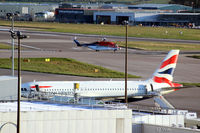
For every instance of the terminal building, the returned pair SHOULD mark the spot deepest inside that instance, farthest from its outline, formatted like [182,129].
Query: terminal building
[164,7]
[144,14]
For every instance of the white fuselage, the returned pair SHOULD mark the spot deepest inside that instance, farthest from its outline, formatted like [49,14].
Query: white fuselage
[160,82]
[94,88]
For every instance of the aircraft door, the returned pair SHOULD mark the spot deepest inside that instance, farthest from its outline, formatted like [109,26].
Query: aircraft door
[149,88]
[37,87]
[76,91]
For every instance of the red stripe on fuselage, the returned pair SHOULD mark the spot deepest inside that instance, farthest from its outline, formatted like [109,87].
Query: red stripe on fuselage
[41,86]
[171,60]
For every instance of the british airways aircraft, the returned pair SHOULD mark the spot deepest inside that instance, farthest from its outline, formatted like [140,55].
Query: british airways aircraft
[159,83]
[99,45]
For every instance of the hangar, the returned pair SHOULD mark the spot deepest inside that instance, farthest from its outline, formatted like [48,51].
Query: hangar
[148,18]
[76,15]
[165,7]
[167,19]
[143,14]
[113,17]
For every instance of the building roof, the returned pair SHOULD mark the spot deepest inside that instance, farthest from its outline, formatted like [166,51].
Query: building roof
[156,6]
[47,106]
[153,5]
[7,78]
[27,4]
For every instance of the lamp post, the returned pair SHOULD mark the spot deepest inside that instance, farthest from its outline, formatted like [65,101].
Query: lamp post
[12,15]
[126,62]
[18,35]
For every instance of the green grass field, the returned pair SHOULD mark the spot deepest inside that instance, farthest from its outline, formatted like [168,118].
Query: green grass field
[64,66]
[157,46]
[144,45]
[191,84]
[116,30]
[195,56]
[5,46]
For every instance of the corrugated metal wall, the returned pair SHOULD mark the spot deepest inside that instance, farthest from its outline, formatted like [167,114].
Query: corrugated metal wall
[70,121]
[162,120]
[8,88]
[160,129]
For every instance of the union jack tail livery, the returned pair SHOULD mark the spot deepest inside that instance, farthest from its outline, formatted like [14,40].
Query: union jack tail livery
[164,74]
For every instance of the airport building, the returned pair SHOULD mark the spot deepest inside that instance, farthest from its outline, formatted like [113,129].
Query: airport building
[25,11]
[164,7]
[8,88]
[167,19]
[143,14]
[113,17]
[43,117]
[76,15]
[148,19]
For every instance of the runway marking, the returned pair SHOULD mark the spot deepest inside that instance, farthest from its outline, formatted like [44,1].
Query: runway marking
[26,46]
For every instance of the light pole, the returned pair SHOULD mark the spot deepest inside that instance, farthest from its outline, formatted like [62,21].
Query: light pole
[126,62]
[19,36]
[13,44]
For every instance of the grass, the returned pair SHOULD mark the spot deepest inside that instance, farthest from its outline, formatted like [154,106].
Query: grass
[116,30]
[64,66]
[157,46]
[195,56]
[5,46]
[191,84]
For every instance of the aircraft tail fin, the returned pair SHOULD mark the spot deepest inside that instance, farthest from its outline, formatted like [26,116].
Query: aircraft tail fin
[77,42]
[164,74]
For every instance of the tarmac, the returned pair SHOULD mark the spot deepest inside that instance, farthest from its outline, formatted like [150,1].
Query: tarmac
[141,63]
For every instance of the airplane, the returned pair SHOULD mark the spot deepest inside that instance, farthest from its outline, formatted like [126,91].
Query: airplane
[99,45]
[160,83]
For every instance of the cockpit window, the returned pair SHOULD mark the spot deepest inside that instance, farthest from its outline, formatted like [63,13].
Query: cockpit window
[23,89]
